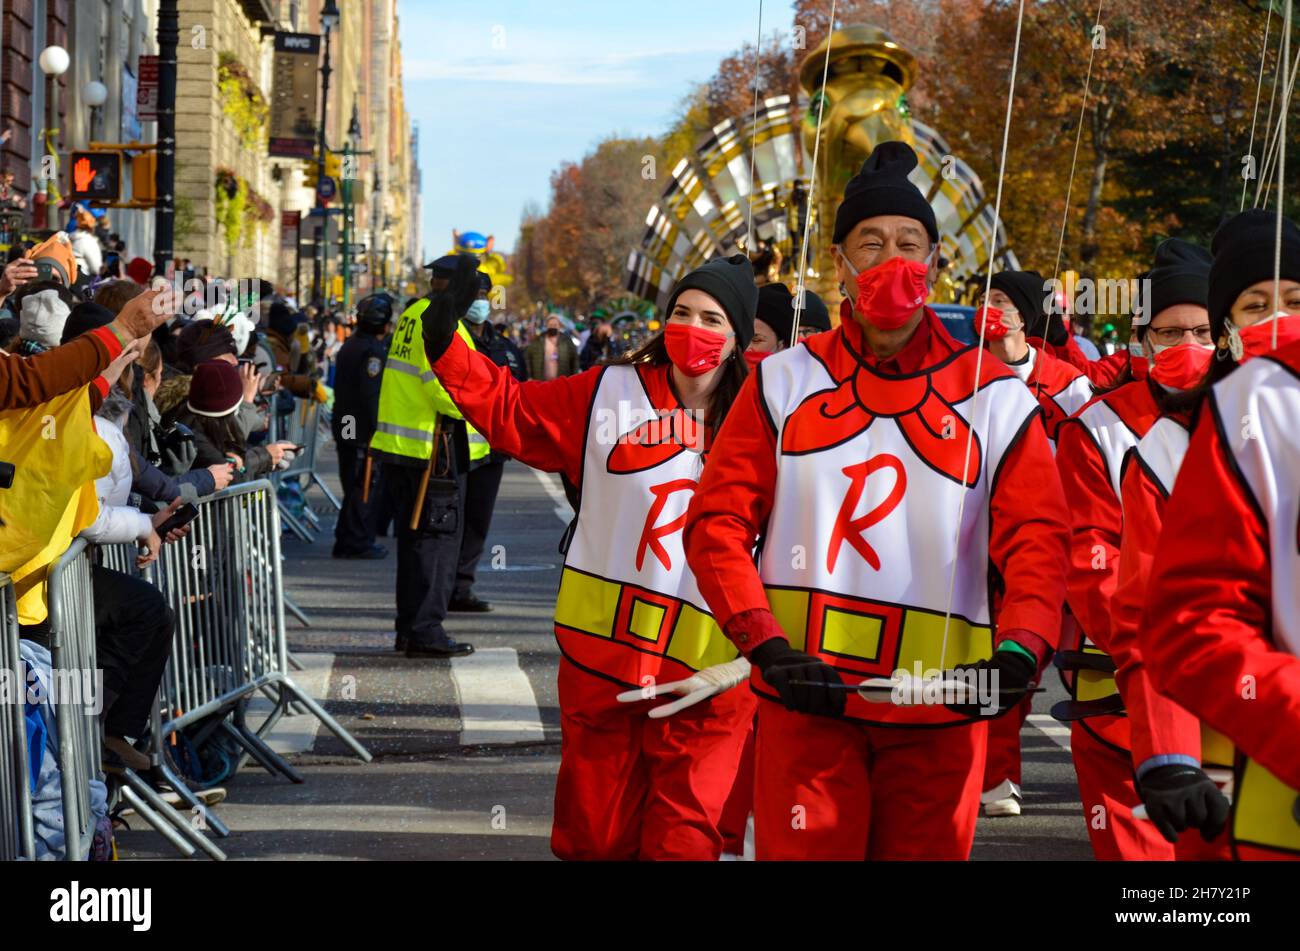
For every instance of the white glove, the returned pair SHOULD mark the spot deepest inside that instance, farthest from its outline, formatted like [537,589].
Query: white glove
[699,686]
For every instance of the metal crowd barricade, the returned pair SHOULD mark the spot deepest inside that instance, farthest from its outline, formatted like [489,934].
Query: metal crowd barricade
[224,582]
[72,653]
[306,425]
[17,835]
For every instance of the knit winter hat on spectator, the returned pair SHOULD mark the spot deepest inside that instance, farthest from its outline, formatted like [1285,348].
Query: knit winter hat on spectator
[84,317]
[776,309]
[882,187]
[57,251]
[1243,255]
[280,319]
[203,340]
[140,271]
[815,314]
[1180,275]
[42,318]
[729,281]
[216,389]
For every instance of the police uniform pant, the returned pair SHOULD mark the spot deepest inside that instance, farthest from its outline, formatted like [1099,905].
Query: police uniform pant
[1109,793]
[355,531]
[483,483]
[630,787]
[1003,760]
[843,791]
[426,563]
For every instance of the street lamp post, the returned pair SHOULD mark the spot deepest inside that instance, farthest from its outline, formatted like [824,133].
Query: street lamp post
[329,19]
[54,63]
[164,231]
[349,175]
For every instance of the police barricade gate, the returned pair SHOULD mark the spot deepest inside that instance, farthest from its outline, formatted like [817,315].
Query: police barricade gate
[224,583]
[306,425]
[74,668]
[17,839]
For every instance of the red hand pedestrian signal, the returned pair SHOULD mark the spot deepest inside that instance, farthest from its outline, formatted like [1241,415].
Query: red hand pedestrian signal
[83,175]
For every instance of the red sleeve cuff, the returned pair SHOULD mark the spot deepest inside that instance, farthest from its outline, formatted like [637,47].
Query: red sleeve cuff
[100,384]
[748,629]
[110,342]
[1036,645]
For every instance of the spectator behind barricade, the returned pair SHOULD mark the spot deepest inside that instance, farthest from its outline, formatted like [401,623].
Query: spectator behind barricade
[43,308]
[602,345]
[140,270]
[293,360]
[113,295]
[553,353]
[17,272]
[212,411]
[133,625]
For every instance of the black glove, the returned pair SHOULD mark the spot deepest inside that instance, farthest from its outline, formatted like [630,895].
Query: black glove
[446,307]
[780,663]
[1014,672]
[1180,797]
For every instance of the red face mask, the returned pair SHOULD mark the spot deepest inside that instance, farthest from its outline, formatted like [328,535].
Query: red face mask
[1257,339]
[991,318]
[754,357]
[693,350]
[890,292]
[1181,367]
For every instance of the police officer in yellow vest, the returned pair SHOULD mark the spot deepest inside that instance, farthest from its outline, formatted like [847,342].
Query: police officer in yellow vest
[426,449]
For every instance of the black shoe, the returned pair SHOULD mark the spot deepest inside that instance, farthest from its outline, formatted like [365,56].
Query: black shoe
[470,604]
[400,646]
[447,648]
[373,553]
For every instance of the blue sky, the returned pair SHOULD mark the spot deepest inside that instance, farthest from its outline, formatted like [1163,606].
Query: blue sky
[495,120]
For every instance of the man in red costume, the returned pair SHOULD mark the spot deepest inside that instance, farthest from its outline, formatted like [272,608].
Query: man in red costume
[1091,448]
[856,457]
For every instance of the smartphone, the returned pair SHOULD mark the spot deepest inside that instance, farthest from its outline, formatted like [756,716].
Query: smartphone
[179,519]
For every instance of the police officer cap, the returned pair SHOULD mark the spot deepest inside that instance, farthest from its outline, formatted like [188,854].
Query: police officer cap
[445,266]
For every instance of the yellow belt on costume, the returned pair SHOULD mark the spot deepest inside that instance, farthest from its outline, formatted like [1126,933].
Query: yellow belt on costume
[1265,812]
[628,632]
[875,638]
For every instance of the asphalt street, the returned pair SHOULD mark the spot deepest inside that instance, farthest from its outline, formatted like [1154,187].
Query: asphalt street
[465,752]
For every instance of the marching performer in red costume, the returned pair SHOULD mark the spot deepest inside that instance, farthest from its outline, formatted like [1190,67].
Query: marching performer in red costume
[1091,449]
[1220,633]
[853,455]
[1015,329]
[632,438]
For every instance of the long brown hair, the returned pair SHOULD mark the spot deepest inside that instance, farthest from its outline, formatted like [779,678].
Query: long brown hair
[732,374]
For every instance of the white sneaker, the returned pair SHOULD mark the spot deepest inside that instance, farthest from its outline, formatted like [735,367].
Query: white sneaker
[1002,800]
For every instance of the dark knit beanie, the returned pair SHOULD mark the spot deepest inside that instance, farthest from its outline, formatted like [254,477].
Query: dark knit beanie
[815,314]
[203,340]
[85,316]
[1180,275]
[882,187]
[1243,255]
[776,309]
[730,281]
[1029,291]
[216,389]
[280,319]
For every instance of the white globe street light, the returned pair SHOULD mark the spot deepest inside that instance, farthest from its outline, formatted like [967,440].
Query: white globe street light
[54,61]
[94,93]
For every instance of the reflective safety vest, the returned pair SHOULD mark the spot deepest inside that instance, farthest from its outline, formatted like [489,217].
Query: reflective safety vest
[861,540]
[411,399]
[628,608]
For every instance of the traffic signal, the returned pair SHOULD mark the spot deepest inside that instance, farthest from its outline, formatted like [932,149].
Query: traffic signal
[97,176]
[144,177]
[312,176]
[333,166]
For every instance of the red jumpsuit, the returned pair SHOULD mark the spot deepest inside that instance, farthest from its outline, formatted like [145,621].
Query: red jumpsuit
[1089,451]
[1103,372]
[1221,628]
[1157,725]
[1061,391]
[629,787]
[840,789]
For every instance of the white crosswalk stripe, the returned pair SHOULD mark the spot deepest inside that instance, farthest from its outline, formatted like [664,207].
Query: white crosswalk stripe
[1047,725]
[497,703]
